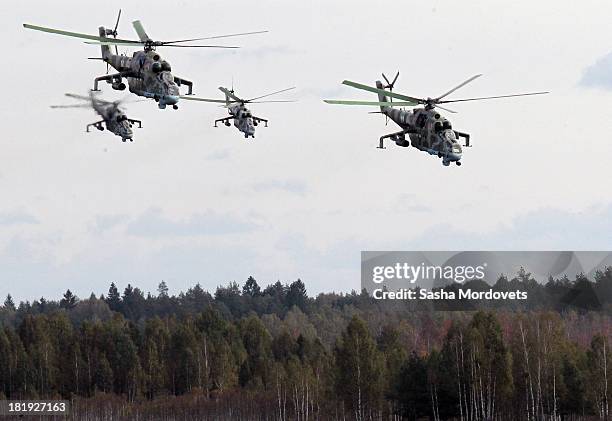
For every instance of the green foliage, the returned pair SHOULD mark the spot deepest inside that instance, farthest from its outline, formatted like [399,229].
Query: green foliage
[359,370]
[305,358]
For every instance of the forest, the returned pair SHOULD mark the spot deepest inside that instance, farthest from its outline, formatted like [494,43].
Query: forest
[248,352]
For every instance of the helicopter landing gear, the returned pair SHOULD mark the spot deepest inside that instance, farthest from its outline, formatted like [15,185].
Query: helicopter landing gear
[175,107]
[458,163]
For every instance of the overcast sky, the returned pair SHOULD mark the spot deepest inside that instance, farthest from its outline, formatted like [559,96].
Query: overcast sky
[189,203]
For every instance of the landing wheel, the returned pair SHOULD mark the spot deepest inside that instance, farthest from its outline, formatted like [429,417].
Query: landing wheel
[227,123]
[123,140]
[175,107]
[458,163]
[246,136]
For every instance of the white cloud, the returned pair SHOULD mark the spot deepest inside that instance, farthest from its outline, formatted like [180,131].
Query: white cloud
[17,217]
[153,224]
[599,74]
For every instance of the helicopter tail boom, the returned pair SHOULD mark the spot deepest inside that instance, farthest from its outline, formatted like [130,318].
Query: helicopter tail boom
[106,52]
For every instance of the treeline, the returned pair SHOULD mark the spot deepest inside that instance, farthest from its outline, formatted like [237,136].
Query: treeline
[276,353]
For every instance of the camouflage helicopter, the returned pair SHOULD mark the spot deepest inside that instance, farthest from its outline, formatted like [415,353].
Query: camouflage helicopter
[113,118]
[244,120]
[147,73]
[427,129]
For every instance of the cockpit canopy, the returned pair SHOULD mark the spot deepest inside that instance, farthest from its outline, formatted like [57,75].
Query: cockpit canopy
[442,126]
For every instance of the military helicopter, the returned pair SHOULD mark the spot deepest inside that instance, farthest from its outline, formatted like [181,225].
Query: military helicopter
[113,118]
[244,120]
[147,73]
[426,128]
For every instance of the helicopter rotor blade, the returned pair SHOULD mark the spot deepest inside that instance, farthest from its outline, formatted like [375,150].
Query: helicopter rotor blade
[117,23]
[156,44]
[115,36]
[215,37]
[390,85]
[142,34]
[86,98]
[446,109]
[194,98]
[71,106]
[386,80]
[457,87]
[395,78]
[371,103]
[492,97]
[81,97]
[268,102]
[230,94]
[110,41]
[384,92]
[163,44]
[79,35]
[270,94]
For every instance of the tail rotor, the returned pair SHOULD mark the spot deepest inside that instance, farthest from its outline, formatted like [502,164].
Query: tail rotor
[113,33]
[389,86]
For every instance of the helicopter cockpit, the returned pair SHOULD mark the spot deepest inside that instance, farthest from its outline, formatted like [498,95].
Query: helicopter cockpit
[441,126]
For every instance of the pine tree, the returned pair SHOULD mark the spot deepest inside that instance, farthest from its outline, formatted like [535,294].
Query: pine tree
[297,296]
[69,301]
[9,304]
[113,299]
[251,288]
[162,289]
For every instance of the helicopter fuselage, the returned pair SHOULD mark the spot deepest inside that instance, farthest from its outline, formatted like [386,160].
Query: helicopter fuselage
[147,73]
[243,119]
[115,120]
[428,131]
